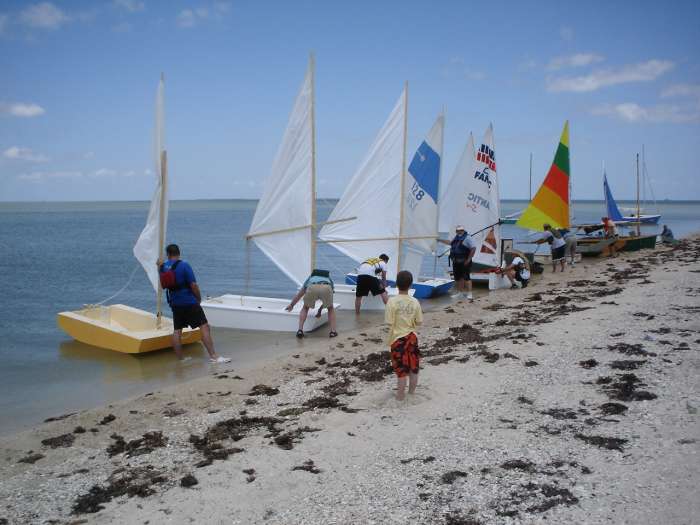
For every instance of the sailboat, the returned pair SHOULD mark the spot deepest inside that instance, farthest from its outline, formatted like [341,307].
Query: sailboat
[473,202]
[395,209]
[120,327]
[614,212]
[283,227]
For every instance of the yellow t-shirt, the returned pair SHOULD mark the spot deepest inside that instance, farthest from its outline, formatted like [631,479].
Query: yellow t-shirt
[403,315]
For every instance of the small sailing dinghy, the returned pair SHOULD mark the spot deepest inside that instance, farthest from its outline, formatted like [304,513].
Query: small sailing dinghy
[472,200]
[119,327]
[283,227]
[614,212]
[395,209]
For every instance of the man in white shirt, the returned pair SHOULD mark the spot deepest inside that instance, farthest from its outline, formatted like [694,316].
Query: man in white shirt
[368,280]
[555,239]
[517,270]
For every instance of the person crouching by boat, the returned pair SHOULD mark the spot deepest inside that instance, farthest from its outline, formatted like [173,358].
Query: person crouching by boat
[403,314]
[555,239]
[317,287]
[610,231]
[184,298]
[371,277]
[462,251]
[667,236]
[518,271]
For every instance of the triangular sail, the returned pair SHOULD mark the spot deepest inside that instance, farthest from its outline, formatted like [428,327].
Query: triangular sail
[282,224]
[610,204]
[453,196]
[373,197]
[484,204]
[551,202]
[421,189]
[148,249]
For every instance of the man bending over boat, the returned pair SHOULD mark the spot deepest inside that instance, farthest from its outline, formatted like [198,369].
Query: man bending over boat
[462,251]
[317,287]
[368,280]
[555,239]
[518,271]
[184,297]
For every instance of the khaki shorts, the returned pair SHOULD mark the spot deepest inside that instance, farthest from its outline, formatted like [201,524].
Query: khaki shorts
[318,292]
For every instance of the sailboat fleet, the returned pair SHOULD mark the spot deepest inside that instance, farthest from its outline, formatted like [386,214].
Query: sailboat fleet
[389,206]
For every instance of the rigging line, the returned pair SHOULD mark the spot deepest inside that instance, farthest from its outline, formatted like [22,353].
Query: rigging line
[128,282]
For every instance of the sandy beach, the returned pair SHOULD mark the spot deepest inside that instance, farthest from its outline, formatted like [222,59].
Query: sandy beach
[572,401]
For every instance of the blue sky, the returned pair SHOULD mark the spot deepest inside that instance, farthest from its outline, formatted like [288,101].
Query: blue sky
[79,82]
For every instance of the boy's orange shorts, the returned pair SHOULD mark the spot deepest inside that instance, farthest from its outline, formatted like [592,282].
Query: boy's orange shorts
[405,355]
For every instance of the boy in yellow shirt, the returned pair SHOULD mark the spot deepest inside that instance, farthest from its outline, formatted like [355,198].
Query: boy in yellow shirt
[403,315]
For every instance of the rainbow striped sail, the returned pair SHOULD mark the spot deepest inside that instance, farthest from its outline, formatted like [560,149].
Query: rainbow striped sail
[551,202]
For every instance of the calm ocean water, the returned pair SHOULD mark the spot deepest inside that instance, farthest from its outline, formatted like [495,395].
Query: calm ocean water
[59,256]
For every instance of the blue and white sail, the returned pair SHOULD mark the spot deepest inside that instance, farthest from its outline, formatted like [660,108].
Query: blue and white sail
[610,204]
[420,200]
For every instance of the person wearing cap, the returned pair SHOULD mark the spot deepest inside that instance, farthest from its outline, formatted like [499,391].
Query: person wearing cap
[317,287]
[462,251]
[518,271]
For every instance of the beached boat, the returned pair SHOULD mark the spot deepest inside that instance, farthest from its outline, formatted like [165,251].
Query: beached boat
[123,328]
[395,208]
[283,227]
[471,199]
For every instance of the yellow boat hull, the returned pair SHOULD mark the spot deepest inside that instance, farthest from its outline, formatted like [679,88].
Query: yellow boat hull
[122,328]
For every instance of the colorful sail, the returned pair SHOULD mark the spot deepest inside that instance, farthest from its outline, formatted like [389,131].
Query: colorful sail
[420,205]
[551,202]
[610,204]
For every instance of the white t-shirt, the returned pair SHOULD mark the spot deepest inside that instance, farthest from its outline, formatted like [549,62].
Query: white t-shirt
[557,242]
[524,273]
[371,269]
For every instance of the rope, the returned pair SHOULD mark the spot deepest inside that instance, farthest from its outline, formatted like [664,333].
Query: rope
[131,277]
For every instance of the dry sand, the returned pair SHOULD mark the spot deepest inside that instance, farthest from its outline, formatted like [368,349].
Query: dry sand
[572,401]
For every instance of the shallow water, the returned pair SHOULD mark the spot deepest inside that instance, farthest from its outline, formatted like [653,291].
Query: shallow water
[59,256]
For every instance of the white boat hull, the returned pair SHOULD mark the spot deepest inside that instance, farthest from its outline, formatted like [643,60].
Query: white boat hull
[244,312]
[345,296]
[494,281]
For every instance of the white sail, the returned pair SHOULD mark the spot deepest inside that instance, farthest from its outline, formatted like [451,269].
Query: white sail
[148,246]
[483,203]
[373,196]
[420,205]
[453,209]
[281,226]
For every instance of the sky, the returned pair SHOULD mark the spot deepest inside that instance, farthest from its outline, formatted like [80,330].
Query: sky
[79,81]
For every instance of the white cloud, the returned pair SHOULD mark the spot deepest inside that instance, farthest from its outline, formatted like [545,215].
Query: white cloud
[43,16]
[26,154]
[642,72]
[132,6]
[88,155]
[575,60]
[20,109]
[457,68]
[3,23]
[566,33]
[38,176]
[186,18]
[527,65]
[122,27]
[635,113]
[682,90]
[191,17]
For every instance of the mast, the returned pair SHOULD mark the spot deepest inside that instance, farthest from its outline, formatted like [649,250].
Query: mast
[403,175]
[161,229]
[638,216]
[312,66]
[530,176]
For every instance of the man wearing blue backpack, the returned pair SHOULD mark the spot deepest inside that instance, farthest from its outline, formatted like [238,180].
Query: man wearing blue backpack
[182,292]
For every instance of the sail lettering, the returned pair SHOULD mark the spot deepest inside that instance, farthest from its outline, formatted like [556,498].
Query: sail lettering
[487,156]
[484,176]
[477,200]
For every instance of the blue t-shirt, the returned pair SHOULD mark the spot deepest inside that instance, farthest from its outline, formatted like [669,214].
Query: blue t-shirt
[317,279]
[184,276]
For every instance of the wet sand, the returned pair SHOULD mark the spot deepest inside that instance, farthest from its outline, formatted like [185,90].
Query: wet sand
[572,401]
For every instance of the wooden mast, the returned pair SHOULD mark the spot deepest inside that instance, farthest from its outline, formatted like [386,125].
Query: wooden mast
[312,66]
[638,216]
[161,214]
[403,175]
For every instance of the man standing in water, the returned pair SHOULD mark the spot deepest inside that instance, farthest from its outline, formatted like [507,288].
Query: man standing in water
[462,251]
[177,279]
